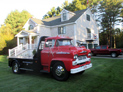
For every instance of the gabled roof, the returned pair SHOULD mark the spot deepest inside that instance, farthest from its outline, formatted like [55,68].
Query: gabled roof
[26,33]
[57,19]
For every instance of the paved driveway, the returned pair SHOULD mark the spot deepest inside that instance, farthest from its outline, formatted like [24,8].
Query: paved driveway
[107,56]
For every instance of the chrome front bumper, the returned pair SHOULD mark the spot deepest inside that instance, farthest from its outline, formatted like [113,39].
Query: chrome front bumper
[79,69]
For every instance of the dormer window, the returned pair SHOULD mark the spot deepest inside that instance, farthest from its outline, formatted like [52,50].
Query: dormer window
[31,27]
[64,16]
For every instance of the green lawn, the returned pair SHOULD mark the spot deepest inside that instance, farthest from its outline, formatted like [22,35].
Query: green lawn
[106,75]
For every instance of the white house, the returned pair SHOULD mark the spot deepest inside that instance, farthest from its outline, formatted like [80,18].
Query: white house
[78,25]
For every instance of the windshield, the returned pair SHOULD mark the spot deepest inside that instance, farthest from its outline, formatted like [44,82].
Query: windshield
[63,42]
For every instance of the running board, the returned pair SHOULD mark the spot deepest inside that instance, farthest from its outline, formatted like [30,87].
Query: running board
[43,71]
[26,69]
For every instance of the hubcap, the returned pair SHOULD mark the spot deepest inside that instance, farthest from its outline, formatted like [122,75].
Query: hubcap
[60,71]
[15,67]
[113,54]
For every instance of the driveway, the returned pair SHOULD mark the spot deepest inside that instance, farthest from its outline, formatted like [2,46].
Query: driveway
[107,56]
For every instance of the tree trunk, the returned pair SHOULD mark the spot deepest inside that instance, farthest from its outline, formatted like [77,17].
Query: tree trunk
[114,42]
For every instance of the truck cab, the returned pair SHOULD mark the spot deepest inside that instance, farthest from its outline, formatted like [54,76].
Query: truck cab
[55,55]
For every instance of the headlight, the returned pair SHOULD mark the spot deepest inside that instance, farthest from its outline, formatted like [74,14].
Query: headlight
[89,54]
[75,57]
[74,63]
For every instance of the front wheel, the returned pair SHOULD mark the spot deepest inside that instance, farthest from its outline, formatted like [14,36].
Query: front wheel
[113,55]
[15,67]
[59,72]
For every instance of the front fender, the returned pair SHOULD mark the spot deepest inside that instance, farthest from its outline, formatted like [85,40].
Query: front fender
[66,61]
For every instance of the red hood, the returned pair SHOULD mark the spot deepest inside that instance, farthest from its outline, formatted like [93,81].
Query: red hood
[74,49]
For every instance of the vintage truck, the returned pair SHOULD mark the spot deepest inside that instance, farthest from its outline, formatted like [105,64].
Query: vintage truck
[105,50]
[55,55]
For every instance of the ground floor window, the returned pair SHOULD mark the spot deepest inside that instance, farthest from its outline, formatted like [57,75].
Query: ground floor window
[95,45]
[84,45]
[89,46]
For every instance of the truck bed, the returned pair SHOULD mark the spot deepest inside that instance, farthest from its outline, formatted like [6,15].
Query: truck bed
[19,57]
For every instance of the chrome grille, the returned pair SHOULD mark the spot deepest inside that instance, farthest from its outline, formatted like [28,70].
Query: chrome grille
[81,57]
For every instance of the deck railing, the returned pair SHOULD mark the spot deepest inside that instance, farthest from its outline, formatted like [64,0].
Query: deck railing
[21,48]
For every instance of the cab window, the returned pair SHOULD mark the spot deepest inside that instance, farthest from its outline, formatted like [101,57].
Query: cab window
[104,47]
[98,47]
[50,43]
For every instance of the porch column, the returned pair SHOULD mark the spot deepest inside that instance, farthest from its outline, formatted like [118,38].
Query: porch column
[30,41]
[87,45]
[37,40]
[24,41]
[18,41]
[92,45]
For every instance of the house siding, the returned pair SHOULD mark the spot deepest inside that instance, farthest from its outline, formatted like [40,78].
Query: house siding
[44,31]
[69,31]
[82,24]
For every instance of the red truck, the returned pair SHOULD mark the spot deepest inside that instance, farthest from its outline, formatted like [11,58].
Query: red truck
[55,55]
[105,50]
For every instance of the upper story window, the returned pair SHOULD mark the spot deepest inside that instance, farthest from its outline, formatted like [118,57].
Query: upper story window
[62,30]
[88,33]
[64,16]
[31,27]
[88,17]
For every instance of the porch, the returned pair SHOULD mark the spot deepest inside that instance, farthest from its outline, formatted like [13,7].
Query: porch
[26,42]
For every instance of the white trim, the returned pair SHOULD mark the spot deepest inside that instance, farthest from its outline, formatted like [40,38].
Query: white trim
[75,39]
[59,25]
[19,34]
[33,21]
[67,11]
[30,41]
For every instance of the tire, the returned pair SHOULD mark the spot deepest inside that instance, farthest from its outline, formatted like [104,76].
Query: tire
[15,67]
[59,72]
[113,54]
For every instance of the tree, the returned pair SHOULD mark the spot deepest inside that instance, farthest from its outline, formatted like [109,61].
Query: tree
[17,20]
[109,12]
[13,24]
[6,34]
[2,42]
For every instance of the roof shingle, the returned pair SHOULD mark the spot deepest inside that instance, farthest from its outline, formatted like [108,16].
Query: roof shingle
[57,19]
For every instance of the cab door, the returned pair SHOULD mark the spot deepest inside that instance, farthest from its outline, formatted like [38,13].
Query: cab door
[97,50]
[47,52]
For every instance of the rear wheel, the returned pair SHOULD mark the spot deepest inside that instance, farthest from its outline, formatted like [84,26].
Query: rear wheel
[59,72]
[113,54]
[15,67]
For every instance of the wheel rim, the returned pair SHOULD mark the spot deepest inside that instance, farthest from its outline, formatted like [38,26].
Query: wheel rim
[15,68]
[113,55]
[60,71]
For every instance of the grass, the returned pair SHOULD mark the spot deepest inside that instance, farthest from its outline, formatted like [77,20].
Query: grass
[106,75]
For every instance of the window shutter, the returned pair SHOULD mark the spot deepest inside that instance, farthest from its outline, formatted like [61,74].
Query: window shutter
[59,30]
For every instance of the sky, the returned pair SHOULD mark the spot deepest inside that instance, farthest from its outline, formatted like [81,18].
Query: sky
[37,8]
